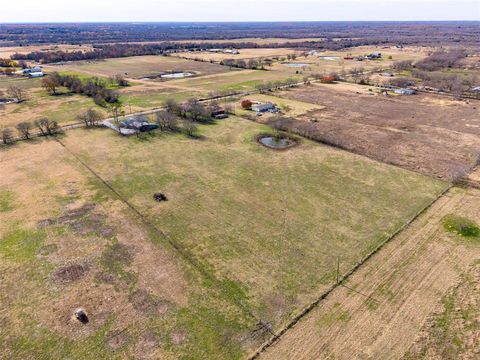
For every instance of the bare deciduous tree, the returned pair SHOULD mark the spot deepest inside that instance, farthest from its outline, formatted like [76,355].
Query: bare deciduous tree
[189,128]
[24,128]
[16,93]
[91,117]
[166,121]
[47,126]
[116,109]
[50,84]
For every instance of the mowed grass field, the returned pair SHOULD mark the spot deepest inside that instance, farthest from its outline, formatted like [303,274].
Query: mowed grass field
[139,66]
[257,235]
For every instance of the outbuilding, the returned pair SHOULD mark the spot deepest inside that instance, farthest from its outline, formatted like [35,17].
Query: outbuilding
[139,124]
[405,92]
[263,107]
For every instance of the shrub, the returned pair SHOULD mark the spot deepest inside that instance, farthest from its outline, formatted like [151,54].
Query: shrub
[461,226]
[246,104]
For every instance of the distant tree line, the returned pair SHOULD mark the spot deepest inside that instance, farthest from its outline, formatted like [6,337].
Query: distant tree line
[364,33]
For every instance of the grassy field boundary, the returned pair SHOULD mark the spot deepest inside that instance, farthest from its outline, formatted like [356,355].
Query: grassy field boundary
[277,337]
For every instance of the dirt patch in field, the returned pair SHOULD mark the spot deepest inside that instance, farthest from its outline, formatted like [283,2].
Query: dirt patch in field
[82,221]
[146,303]
[147,346]
[423,133]
[116,340]
[71,273]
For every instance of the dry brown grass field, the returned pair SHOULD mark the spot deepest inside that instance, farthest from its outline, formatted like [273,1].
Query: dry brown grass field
[428,133]
[244,54]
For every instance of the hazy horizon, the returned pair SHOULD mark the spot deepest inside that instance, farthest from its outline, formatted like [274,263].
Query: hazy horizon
[57,11]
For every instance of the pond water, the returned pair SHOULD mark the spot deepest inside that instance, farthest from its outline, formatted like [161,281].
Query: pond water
[176,75]
[276,143]
[296,65]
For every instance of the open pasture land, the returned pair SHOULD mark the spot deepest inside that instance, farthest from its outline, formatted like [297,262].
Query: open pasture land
[400,303]
[137,67]
[66,242]
[241,81]
[427,133]
[244,54]
[256,236]
[249,215]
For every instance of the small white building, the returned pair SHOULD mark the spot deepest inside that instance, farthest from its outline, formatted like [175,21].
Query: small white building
[405,92]
[36,74]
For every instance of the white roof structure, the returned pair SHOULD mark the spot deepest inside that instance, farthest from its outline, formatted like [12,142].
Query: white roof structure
[36,74]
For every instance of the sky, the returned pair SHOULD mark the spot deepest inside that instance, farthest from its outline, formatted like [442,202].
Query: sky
[236,10]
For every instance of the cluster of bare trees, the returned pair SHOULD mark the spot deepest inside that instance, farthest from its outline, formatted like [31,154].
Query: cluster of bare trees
[90,117]
[273,85]
[430,72]
[360,76]
[94,87]
[442,59]
[25,130]
[184,117]
[258,64]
